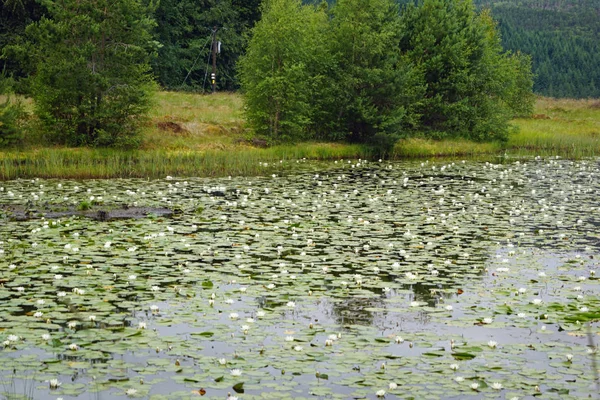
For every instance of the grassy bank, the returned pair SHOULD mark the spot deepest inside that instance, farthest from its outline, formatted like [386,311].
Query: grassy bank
[191,134]
[564,127]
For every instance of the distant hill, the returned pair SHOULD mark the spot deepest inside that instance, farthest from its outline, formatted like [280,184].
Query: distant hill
[563,38]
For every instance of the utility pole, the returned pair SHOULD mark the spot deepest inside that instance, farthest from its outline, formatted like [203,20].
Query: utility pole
[213,76]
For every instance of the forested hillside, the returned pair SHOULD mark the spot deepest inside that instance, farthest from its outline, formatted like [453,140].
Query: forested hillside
[562,37]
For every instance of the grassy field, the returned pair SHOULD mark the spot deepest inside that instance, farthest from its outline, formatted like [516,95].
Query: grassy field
[205,135]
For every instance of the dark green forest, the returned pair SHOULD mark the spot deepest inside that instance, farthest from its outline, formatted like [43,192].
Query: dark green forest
[562,37]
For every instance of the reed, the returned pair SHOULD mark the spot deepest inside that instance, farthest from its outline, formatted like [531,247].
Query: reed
[205,135]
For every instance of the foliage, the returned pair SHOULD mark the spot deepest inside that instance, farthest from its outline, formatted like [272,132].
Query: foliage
[283,69]
[15,15]
[470,83]
[375,85]
[11,115]
[562,38]
[373,76]
[92,80]
[184,30]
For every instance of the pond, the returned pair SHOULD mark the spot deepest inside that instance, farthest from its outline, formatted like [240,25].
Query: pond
[337,280]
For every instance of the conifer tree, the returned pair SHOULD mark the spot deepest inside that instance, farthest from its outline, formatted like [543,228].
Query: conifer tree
[92,79]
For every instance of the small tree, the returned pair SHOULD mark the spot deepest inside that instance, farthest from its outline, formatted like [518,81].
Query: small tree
[283,69]
[92,81]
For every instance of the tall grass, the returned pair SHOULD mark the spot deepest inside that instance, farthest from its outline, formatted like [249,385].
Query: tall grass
[205,135]
[109,163]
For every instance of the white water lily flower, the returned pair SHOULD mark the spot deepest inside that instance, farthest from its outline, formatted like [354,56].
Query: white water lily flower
[487,320]
[41,302]
[131,392]
[54,383]
[132,277]
[236,372]
[291,304]
[13,338]
[522,315]
[92,318]
[260,314]
[496,386]
[20,289]
[154,308]
[454,367]
[73,346]
[155,288]
[492,344]
[459,379]
[414,304]
[142,325]
[448,308]
[222,361]
[380,393]
[234,315]
[399,339]
[72,324]
[45,336]
[38,314]
[393,386]
[298,348]
[61,294]
[536,302]
[474,386]
[569,357]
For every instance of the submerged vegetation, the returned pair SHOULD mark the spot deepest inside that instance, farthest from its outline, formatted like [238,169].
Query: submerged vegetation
[339,280]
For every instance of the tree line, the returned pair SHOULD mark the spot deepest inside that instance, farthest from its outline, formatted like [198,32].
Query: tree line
[358,70]
[366,71]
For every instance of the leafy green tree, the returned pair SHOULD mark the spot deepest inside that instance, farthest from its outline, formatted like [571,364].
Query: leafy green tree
[471,84]
[283,69]
[92,79]
[375,84]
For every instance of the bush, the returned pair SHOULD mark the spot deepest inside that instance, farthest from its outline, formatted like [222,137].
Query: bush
[11,115]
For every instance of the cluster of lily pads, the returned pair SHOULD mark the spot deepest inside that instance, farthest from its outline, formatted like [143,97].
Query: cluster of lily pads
[347,279]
